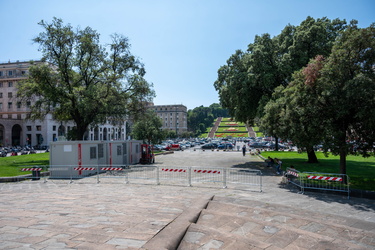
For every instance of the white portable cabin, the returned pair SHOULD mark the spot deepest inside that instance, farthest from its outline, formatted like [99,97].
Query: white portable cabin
[68,156]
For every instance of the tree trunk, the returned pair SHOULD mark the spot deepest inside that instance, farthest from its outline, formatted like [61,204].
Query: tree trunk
[81,130]
[276,143]
[311,155]
[343,152]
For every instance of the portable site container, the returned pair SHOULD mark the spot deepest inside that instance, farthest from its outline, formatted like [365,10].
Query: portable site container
[67,157]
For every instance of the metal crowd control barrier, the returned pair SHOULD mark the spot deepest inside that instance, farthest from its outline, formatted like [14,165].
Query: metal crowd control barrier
[319,181]
[150,174]
[37,172]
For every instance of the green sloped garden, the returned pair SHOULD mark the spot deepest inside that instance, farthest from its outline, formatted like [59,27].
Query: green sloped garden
[230,128]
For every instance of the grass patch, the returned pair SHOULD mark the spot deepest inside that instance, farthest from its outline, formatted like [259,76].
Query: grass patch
[259,134]
[361,171]
[11,166]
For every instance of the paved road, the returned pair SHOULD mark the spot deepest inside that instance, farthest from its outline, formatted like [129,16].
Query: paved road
[60,215]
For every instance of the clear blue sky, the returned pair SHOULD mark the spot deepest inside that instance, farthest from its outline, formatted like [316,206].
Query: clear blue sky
[181,42]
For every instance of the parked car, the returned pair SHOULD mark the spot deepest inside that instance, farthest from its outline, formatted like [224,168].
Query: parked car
[209,146]
[3,154]
[225,146]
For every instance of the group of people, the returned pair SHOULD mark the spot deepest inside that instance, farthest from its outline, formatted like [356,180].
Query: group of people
[274,163]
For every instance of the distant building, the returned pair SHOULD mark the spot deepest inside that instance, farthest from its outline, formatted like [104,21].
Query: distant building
[16,129]
[174,117]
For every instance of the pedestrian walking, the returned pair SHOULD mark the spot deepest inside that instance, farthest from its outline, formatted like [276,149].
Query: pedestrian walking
[244,150]
[270,162]
[278,165]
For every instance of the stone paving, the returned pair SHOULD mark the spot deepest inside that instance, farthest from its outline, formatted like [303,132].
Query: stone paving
[62,215]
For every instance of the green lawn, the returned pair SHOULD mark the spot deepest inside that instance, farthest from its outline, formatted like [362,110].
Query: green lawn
[11,166]
[361,171]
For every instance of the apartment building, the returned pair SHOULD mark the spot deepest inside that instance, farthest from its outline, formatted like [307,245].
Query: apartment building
[16,129]
[174,117]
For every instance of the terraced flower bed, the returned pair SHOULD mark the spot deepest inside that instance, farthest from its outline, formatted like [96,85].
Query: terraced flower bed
[223,135]
[231,130]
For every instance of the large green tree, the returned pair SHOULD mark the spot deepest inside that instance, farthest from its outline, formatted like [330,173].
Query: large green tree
[347,83]
[332,100]
[246,83]
[294,112]
[148,128]
[82,80]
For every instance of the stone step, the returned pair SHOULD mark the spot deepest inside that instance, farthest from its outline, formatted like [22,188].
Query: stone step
[245,234]
[280,234]
[229,223]
[297,211]
[361,234]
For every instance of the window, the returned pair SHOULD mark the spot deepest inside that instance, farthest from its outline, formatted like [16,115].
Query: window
[10,84]
[1,84]
[28,104]
[9,105]
[38,128]
[1,106]
[53,128]
[10,73]
[23,72]
[1,73]
[1,94]
[92,152]
[10,95]
[28,128]
[119,150]
[18,105]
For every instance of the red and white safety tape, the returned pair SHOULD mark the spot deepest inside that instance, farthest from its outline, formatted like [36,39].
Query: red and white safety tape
[207,171]
[173,170]
[31,169]
[84,169]
[293,173]
[324,178]
[119,169]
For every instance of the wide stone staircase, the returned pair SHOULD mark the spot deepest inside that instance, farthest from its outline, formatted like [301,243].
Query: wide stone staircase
[230,223]
[214,128]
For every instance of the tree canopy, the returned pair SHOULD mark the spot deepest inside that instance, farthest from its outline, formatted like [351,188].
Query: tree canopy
[82,80]
[148,128]
[246,83]
[312,84]
[200,118]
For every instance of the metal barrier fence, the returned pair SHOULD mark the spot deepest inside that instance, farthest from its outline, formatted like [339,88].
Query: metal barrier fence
[34,173]
[150,174]
[320,181]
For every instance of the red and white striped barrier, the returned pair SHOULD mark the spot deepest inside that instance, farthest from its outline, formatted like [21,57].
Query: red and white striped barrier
[311,177]
[31,169]
[117,169]
[207,171]
[80,169]
[173,170]
[293,173]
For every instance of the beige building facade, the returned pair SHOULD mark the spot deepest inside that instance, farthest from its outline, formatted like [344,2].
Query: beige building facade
[174,117]
[17,130]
